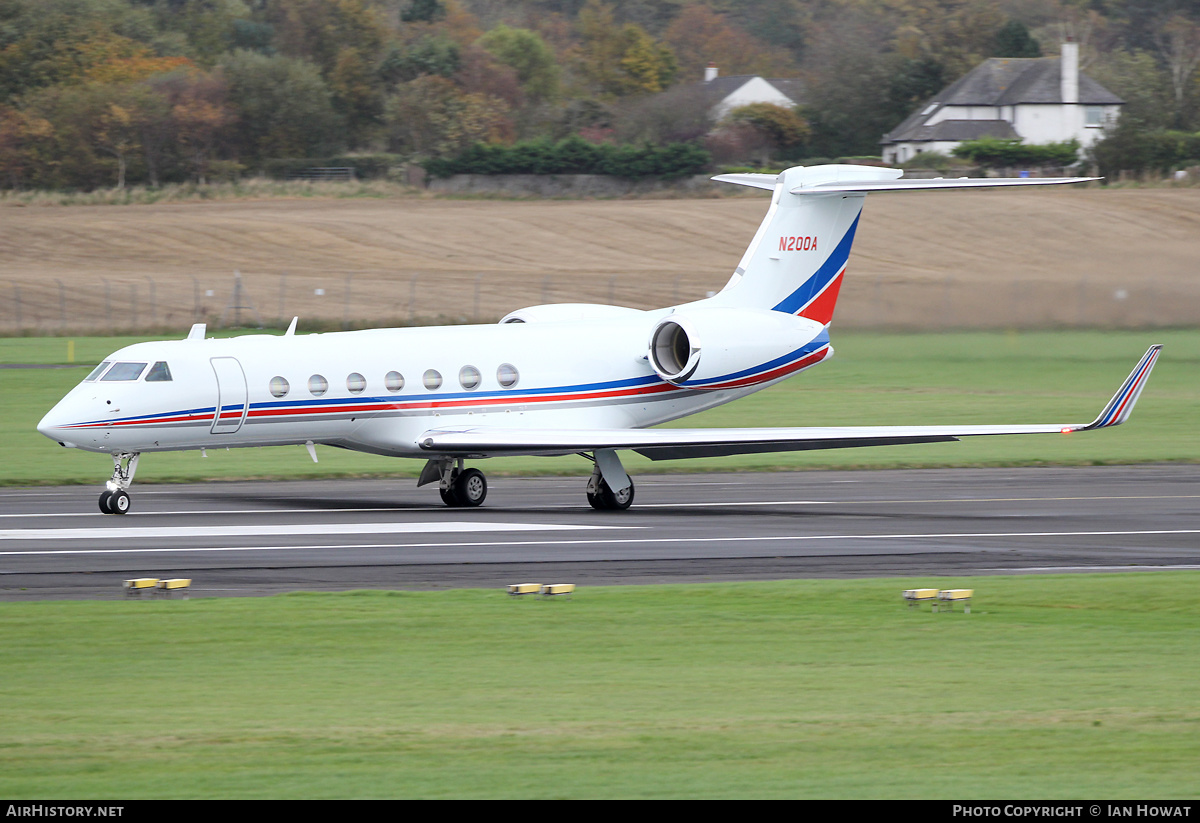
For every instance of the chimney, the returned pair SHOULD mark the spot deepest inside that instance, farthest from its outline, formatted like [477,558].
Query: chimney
[1070,71]
[710,73]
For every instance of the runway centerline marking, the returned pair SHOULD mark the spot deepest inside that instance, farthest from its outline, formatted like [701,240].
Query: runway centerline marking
[167,532]
[615,541]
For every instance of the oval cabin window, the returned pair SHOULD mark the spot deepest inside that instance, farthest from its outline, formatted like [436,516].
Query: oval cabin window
[317,385]
[432,379]
[356,383]
[280,386]
[394,381]
[469,377]
[507,375]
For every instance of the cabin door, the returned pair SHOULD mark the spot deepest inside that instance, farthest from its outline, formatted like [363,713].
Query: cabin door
[231,395]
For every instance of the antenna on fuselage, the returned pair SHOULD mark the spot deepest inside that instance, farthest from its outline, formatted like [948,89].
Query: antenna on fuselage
[197,332]
[291,329]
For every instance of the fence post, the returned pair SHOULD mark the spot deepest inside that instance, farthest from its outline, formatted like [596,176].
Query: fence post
[153,301]
[107,303]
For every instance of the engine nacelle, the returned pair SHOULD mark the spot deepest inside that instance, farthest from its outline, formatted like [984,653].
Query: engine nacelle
[721,348]
[571,313]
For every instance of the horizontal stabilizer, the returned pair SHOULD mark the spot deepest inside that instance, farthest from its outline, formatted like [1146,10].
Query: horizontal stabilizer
[674,444]
[937,183]
[758,181]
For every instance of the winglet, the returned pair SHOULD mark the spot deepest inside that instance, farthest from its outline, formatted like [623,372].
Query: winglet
[1119,408]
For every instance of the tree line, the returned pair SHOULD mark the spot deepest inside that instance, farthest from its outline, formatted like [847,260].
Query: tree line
[97,93]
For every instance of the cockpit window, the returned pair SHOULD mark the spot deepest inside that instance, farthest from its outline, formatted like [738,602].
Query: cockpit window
[124,371]
[160,372]
[96,372]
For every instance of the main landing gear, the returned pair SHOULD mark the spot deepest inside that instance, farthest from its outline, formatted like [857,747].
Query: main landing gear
[115,497]
[458,486]
[608,489]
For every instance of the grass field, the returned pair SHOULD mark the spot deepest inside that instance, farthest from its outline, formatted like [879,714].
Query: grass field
[1045,377]
[1078,686]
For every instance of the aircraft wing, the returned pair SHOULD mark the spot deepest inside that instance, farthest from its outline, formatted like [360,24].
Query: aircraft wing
[674,444]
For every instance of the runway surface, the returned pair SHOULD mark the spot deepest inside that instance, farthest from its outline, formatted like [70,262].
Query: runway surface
[240,539]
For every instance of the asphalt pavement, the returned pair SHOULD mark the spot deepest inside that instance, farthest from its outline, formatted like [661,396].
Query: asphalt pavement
[258,538]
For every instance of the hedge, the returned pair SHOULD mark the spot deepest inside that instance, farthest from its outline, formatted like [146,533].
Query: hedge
[574,155]
[998,152]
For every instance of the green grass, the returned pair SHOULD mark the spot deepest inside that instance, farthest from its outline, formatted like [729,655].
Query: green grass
[1054,687]
[969,377]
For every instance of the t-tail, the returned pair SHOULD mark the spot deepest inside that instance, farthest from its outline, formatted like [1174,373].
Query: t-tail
[798,257]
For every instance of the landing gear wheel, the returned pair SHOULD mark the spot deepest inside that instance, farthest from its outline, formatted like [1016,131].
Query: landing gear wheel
[118,503]
[448,497]
[470,487]
[105,498]
[605,499]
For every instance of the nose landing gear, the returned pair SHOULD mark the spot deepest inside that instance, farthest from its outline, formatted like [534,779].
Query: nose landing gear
[115,499]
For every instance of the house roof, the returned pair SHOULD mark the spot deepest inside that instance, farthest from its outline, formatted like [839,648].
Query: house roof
[1000,81]
[1010,81]
[721,87]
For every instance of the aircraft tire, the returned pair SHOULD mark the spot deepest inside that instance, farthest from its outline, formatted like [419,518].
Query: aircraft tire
[119,502]
[470,488]
[105,498]
[609,500]
[448,497]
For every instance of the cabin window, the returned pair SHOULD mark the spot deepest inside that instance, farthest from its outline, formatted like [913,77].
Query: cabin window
[280,386]
[432,379]
[317,385]
[507,375]
[96,372]
[394,381]
[124,371]
[469,377]
[160,372]
[356,383]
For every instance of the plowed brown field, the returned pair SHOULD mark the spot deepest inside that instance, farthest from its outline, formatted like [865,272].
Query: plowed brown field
[1083,257]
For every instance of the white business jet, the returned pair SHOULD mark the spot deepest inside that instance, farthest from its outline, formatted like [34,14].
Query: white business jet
[547,380]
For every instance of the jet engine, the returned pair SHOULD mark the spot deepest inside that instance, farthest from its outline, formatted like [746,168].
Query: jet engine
[706,348]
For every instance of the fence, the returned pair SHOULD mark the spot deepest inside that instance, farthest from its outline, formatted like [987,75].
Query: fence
[358,299]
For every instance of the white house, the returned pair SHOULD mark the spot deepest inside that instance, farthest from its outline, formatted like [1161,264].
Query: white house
[728,93]
[1040,100]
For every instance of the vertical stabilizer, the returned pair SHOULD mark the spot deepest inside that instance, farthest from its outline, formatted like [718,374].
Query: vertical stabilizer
[797,259]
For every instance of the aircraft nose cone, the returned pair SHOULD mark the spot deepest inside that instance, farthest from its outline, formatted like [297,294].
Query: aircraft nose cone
[52,426]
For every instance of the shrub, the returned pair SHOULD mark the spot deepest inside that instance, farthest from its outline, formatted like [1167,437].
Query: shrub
[998,152]
[574,155]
